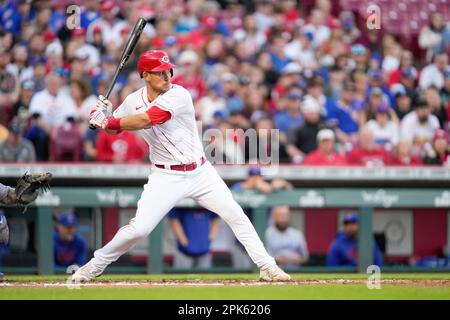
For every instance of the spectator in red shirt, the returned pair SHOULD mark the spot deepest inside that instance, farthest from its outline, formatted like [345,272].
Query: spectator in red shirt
[200,37]
[402,155]
[406,61]
[438,153]
[189,77]
[123,147]
[325,154]
[368,153]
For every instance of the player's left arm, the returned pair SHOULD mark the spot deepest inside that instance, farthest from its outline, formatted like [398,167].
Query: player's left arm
[154,116]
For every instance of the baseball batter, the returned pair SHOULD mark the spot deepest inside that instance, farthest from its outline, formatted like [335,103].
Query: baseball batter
[163,113]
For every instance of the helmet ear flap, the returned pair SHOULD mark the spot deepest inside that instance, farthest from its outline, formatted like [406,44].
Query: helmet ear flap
[171,72]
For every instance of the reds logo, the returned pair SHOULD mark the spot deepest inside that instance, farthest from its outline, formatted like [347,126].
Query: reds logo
[165,59]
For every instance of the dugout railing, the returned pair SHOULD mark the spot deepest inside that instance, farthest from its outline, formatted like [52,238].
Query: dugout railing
[435,193]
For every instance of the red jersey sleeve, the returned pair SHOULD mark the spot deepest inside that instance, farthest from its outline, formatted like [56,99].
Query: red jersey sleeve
[158,115]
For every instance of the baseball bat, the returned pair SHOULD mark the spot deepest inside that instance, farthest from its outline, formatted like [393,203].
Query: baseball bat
[131,43]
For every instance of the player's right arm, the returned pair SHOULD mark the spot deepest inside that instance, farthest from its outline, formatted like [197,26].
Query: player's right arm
[124,117]
[152,116]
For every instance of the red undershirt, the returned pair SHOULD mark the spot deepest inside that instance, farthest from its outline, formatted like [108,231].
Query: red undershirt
[158,115]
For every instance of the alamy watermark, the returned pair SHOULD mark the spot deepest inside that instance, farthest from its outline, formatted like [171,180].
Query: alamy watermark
[373,21]
[374,279]
[258,147]
[233,146]
[73,20]
[70,284]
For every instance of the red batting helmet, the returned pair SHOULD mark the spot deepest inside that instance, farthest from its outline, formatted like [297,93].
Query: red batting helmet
[154,61]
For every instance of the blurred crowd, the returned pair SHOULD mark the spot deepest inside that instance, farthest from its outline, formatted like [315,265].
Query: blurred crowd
[338,92]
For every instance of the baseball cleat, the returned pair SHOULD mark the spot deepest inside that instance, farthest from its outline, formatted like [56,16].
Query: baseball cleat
[85,274]
[273,274]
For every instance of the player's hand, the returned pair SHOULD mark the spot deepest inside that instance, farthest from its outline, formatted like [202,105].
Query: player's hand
[105,105]
[11,197]
[98,118]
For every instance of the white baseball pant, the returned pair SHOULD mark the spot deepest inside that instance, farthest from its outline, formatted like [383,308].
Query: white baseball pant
[165,188]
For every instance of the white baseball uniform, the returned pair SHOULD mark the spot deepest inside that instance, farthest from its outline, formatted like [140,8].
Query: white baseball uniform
[176,142]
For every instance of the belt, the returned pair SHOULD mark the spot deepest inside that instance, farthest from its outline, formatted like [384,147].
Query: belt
[182,167]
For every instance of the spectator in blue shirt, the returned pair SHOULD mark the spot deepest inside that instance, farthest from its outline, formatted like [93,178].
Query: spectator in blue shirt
[14,13]
[69,248]
[376,81]
[58,17]
[277,53]
[90,13]
[292,116]
[89,148]
[38,135]
[346,115]
[344,249]
[194,231]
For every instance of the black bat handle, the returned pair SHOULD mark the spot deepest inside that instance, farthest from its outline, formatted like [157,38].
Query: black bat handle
[125,55]
[111,86]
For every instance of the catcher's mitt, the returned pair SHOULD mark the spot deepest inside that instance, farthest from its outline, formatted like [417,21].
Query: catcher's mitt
[28,186]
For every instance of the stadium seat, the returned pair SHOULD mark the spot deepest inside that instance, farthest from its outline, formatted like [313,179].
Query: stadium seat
[402,6]
[432,7]
[66,143]
[414,27]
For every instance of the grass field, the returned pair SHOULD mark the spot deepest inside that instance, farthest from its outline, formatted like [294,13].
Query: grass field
[229,286]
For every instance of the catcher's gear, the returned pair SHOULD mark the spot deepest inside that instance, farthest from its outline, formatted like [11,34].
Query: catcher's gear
[28,186]
[4,230]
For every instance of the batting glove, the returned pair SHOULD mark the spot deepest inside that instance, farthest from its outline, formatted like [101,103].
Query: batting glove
[105,105]
[98,118]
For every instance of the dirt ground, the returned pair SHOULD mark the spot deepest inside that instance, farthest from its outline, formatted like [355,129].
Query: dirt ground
[205,283]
